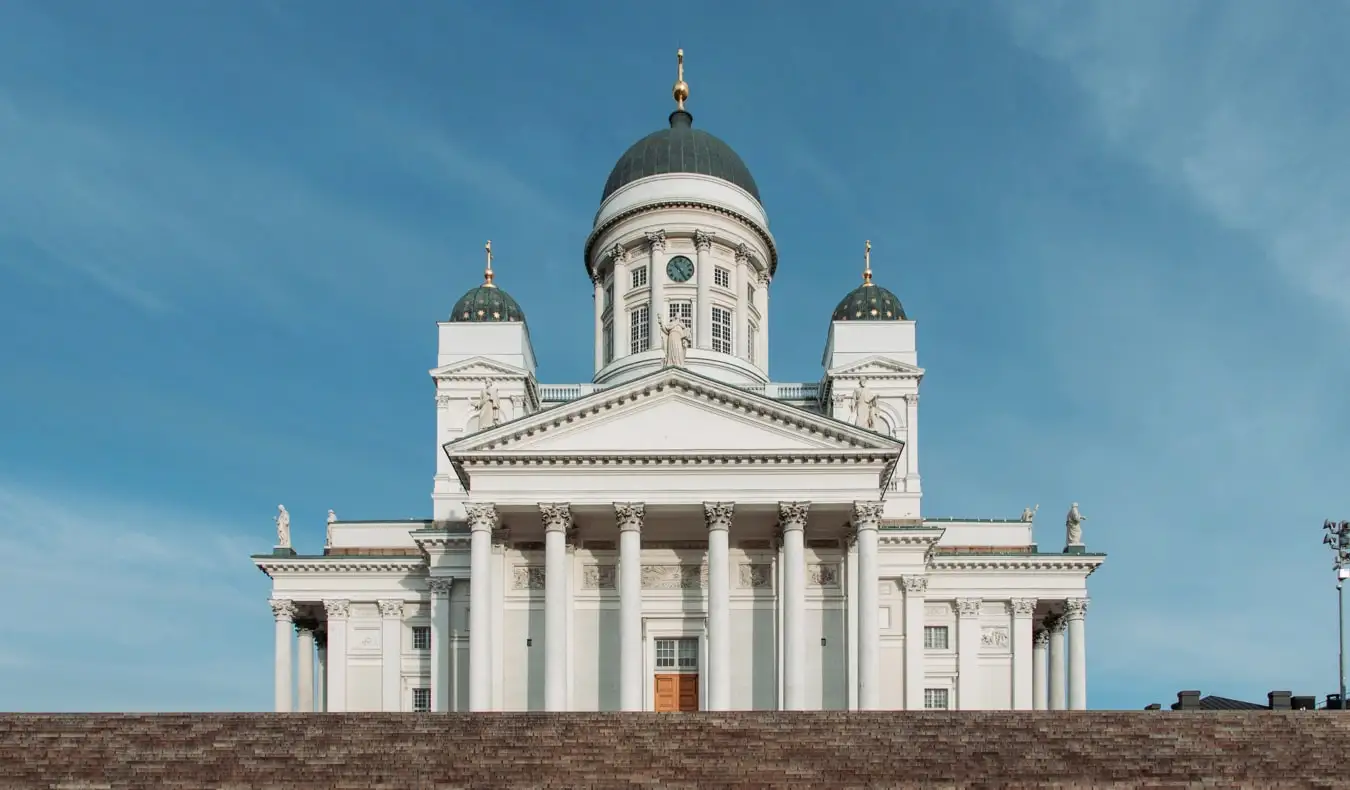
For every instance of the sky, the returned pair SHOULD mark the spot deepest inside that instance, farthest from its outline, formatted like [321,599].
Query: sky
[227,231]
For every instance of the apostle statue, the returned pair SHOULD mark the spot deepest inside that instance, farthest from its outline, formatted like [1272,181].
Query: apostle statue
[488,407]
[676,339]
[1029,514]
[283,527]
[865,407]
[1073,526]
[328,539]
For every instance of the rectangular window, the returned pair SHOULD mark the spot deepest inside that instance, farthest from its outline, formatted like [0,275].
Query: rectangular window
[609,297]
[936,699]
[421,637]
[421,700]
[639,276]
[751,340]
[722,277]
[935,637]
[682,310]
[721,330]
[750,293]
[639,328]
[607,340]
[677,654]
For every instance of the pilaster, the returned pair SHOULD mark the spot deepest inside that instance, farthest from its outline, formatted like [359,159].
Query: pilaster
[1023,609]
[968,653]
[337,611]
[442,648]
[391,655]
[916,592]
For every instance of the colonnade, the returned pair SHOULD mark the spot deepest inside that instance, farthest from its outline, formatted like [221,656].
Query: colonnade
[1059,663]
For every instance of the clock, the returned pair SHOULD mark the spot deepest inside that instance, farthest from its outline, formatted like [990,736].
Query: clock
[680,269]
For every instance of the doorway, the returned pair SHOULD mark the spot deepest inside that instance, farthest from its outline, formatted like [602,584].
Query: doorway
[675,681]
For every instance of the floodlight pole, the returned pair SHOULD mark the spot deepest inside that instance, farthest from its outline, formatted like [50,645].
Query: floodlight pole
[1341,575]
[1338,539]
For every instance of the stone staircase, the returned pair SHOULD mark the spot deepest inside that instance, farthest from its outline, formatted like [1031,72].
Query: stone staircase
[610,750]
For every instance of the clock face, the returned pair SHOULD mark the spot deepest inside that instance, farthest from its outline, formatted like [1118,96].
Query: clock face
[680,269]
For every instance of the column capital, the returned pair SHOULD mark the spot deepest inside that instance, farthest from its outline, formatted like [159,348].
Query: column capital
[792,515]
[1054,623]
[1075,608]
[557,516]
[1023,607]
[283,610]
[1042,638]
[630,515]
[439,586]
[764,279]
[336,608]
[617,254]
[915,585]
[595,279]
[718,515]
[656,240]
[482,516]
[969,607]
[866,515]
[742,253]
[391,608]
[703,240]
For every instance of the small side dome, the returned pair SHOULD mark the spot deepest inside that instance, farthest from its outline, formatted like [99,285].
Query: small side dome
[487,302]
[869,301]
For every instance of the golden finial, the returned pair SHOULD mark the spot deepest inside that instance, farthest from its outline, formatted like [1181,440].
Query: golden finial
[487,273]
[681,89]
[867,264]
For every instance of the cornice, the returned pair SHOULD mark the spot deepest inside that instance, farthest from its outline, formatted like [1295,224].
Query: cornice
[340,564]
[682,203]
[925,538]
[705,458]
[1028,562]
[441,541]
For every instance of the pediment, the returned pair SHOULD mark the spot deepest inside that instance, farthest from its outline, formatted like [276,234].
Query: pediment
[476,368]
[877,365]
[673,411]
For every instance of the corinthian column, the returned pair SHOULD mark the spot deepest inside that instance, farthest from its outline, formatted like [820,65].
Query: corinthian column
[618,257]
[391,655]
[482,520]
[792,521]
[1040,689]
[439,587]
[740,333]
[599,287]
[703,276]
[1022,655]
[718,517]
[916,592]
[656,276]
[968,653]
[629,516]
[866,520]
[304,666]
[284,613]
[1075,611]
[557,520]
[337,611]
[1055,625]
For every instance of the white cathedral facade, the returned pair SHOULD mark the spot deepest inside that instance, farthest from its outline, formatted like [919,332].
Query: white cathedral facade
[681,532]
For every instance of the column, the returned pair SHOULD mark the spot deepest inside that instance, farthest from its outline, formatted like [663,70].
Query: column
[703,276]
[968,653]
[912,442]
[916,591]
[337,654]
[321,645]
[851,613]
[718,516]
[599,285]
[284,613]
[1075,611]
[482,520]
[1040,688]
[618,258]
[1055,624]
[1023,657]
[741,331]
[391,655]
[866,519]
[762,305]
[629,516]
[656,277]
[304,675]
[792,520]
[441,645]
[557,518]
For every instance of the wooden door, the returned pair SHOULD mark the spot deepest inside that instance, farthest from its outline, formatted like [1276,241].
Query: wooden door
[676,692]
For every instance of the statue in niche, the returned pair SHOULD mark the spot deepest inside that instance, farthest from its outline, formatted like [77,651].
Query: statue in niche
[488,407]
[1073,526]
[328,539]
[676,340]
[865,407]
[283,527]
[1029,514]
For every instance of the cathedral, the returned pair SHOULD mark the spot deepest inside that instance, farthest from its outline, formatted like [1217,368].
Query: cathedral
[681,532]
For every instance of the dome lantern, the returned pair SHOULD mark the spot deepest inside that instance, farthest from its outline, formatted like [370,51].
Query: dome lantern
[488,302]
[869,301]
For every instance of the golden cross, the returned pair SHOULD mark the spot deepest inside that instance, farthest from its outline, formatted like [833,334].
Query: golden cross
[867,262]
[487,274]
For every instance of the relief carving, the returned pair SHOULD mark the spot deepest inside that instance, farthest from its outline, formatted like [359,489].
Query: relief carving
[674,577]
[822,575]
[527,577]
[597,577]
[756,576]
[994,637]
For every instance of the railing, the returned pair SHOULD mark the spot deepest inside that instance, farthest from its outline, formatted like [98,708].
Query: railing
[555,394]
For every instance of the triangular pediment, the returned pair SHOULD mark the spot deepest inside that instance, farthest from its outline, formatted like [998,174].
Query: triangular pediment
[877,365]
[673,411]
[476,368]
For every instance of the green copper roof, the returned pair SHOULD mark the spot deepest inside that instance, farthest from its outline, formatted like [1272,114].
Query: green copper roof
[869,302]
[487,303]
[680,149]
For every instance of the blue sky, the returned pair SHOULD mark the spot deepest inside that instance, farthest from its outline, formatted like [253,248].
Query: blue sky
[227,231]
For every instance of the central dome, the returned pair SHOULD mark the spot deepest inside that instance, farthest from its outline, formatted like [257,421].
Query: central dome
[680,149]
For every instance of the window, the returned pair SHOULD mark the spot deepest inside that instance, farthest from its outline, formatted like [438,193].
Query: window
[639,329]
[751,340]
[677,653]
[682,310]
[607,340]
[750,293]
[639,276]
[421,637]
[609,297]
[721,330]
[936,699]
[722,277]
[422,700]
[935,637]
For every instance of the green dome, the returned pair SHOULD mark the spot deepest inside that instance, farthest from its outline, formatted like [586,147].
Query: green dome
[487,302]
[869,302]
[680,149]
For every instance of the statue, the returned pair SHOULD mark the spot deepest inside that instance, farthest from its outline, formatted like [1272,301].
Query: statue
[864,407]
[283,527]
[677,338]
[328,539]
[488,407]
[1073,526]
[1029,514]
